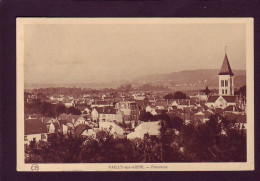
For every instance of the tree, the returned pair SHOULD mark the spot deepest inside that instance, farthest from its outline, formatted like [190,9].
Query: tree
[175,122]
[241,91]
[206,142]
[73,111]
[146,116]
[169,96]
[180,95]
[59,109]
[206,91]
[41,96]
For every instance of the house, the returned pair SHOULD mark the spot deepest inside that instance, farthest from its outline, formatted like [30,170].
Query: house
[151,128]
[94,115]
[56,98]
[84,130]
[225,96]
[72,119]
[221,101]
[86,110]
[69,103]
[139,96]
[233,109]
[34,130]
[51,124]
[53,127]
[201,97]
[107,113]
[150,108]
[130,110]
[119,116]
[111,127]
[64,129]
[161,104]
[78,120]
[83,108]
[174,104]
[182,103]
[101,103]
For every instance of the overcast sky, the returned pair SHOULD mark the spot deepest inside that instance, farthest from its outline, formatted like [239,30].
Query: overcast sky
[94,52]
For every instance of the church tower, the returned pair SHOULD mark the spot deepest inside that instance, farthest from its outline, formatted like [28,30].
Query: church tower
[226,78]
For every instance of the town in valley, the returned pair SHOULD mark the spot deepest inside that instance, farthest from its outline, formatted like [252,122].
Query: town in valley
[138,123]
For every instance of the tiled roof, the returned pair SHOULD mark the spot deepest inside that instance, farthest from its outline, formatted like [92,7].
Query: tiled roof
[107,110]
[34,126]
[80,128]
[225,68]
[146,126]
[212,98]
[230,98]
[67,118]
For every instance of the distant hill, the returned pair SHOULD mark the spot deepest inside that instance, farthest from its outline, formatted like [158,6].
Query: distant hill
[189,79]
[193,78]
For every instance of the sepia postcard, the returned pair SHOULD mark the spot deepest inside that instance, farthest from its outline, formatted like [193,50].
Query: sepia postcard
[135,94]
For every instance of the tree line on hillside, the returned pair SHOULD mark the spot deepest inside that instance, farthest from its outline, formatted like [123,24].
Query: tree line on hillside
[202,143]
[74,91]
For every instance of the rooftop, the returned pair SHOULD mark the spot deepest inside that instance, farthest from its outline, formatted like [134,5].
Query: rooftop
[225,68]
[34,126]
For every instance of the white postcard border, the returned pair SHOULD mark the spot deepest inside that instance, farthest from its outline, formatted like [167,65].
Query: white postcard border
[218,166]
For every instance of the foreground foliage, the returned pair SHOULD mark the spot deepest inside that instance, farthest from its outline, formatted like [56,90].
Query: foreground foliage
[214,141]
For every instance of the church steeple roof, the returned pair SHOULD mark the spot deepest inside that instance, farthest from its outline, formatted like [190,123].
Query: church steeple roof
[225,68]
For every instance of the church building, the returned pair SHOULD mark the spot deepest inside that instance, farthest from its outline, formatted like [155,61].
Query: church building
[226,78]
[226,95]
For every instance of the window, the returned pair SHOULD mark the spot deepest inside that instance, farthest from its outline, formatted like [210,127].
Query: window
[25,138]
[226,83]
[222,91]
[226,91]
[222,83]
